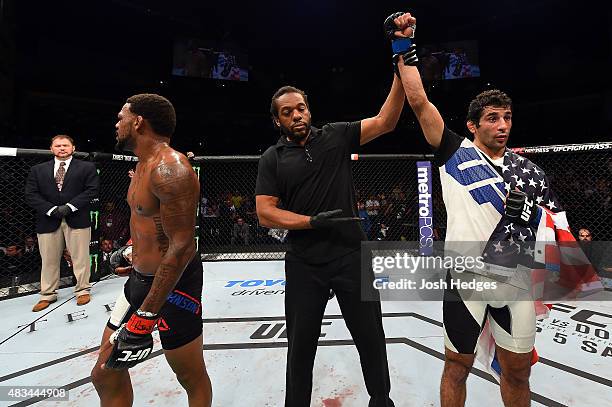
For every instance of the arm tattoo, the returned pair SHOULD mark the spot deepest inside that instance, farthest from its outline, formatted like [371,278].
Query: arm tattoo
[175,185]
[162,239]
[163,283]
[168,171]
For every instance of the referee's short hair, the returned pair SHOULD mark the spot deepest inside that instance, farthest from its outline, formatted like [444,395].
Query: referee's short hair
[280,92]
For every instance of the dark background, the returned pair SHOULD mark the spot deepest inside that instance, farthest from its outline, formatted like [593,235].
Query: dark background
[68,66]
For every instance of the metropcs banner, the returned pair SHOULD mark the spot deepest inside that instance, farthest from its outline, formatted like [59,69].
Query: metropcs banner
[425,208]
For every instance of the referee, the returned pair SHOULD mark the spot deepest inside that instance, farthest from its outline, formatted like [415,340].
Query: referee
[308,174]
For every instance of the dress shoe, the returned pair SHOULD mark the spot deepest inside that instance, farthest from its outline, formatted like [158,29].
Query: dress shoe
[83,299]
[42,304]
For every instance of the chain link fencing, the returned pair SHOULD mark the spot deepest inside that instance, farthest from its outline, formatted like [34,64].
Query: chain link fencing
[19,256]
[110,216]
[385,190]
[581,177]
[229,227]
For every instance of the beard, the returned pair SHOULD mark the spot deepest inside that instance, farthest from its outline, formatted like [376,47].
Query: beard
[293,135]
[124,144]
[490,142]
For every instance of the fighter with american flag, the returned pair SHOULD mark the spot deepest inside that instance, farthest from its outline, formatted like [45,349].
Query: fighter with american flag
[502,201]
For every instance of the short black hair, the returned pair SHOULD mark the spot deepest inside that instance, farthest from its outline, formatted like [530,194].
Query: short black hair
[493,97]
[157,110]
[280,92]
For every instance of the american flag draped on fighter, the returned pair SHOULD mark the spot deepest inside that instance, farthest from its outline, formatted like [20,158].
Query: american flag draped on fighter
[545,248]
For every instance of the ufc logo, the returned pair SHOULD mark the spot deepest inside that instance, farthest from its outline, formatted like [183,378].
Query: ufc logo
[526,213]
[140,355]
[585,315]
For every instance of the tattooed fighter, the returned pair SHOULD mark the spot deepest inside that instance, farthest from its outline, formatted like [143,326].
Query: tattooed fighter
[164,288]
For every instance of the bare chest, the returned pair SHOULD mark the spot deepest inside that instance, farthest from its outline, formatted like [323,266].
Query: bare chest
[139,197]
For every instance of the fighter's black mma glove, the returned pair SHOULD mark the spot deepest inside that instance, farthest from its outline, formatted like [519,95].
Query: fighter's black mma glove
[520,209]
[61,212]
[121,258]
[330,219]
[401,46]
[132,342]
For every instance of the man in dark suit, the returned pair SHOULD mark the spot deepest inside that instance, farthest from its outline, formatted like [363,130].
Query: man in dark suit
[60,191]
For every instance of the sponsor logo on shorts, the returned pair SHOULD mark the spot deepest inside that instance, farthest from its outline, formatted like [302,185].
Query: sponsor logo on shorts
[162,325]
[184,301]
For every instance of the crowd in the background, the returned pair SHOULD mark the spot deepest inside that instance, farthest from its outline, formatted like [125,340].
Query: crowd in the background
[228,220]
[392,215]
[579,195]
[19,253]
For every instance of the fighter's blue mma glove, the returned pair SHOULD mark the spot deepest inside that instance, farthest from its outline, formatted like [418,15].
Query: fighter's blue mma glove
[401,46]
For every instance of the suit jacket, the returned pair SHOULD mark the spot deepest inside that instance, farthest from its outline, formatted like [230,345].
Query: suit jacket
[80,186]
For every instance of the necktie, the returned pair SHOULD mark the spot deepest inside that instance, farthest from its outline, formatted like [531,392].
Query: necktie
[59,176]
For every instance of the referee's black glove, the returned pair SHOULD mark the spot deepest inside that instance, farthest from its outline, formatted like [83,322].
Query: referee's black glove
[330,219]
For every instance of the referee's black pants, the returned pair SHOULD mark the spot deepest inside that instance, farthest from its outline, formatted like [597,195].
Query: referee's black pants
[306,295]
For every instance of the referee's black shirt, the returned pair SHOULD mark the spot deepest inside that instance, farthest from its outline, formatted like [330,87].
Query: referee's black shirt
[315,178]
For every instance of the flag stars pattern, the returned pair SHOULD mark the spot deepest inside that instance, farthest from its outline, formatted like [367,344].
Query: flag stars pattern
[514,244]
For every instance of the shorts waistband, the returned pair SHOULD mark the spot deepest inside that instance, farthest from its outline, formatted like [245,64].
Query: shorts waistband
[146,278]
